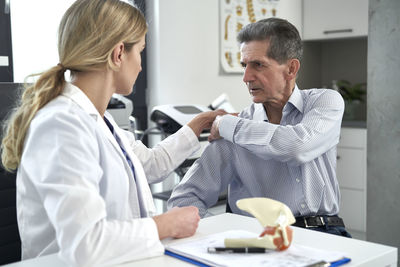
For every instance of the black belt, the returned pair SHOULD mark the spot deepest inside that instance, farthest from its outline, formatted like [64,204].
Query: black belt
[318,221]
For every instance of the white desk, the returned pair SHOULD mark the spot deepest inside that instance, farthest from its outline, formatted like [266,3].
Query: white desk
[362,253]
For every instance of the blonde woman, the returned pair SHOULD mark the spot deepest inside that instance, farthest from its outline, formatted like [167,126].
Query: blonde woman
[82,182]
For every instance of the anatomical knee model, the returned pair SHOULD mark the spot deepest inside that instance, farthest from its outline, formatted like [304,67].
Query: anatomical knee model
[274,216]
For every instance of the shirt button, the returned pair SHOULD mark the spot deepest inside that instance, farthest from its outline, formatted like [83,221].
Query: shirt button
[303,205]
[298,180]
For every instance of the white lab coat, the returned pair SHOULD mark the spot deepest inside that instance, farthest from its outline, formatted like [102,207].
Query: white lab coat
[76,194]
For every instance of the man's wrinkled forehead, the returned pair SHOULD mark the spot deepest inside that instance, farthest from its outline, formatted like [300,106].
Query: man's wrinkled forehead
[254,48]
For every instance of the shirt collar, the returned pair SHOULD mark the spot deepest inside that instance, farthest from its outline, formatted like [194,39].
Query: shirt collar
[259,112]
[295,99]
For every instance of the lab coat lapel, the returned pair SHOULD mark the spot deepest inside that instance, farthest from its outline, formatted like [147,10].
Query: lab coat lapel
[143,187]
[136,187]
[102,124]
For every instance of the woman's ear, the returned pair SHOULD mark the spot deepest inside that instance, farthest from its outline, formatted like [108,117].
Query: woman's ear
[117,54]
[293,68]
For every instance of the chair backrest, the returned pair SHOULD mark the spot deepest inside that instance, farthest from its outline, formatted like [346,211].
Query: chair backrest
[10,244]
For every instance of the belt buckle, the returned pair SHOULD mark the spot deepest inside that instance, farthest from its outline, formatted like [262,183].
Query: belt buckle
[313,226]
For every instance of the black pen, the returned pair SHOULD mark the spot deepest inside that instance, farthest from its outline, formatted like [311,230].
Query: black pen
[237,250]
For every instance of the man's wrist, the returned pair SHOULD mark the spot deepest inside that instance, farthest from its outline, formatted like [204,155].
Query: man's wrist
[226,127]
[217,122]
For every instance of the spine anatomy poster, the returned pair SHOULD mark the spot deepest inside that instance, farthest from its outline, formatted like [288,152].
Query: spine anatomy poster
[234,15]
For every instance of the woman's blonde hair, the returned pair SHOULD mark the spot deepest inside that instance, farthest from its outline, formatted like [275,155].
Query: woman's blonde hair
[88,33]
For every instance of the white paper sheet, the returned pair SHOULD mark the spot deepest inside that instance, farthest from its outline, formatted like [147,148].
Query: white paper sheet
[294,256]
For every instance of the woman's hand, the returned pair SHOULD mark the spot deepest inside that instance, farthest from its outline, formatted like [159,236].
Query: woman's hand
[204,120]
[177,222]
[214,131]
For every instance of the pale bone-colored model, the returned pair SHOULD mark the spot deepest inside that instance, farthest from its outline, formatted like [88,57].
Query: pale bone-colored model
[274,216]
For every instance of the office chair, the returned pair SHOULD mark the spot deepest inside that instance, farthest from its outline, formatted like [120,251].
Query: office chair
[10,244]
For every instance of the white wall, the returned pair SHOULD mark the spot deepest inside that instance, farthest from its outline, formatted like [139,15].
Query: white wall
[34,26]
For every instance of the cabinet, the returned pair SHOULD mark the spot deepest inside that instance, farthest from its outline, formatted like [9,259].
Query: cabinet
[328,19]
[351,174]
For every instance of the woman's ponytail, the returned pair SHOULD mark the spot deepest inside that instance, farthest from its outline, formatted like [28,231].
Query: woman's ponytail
[49,85]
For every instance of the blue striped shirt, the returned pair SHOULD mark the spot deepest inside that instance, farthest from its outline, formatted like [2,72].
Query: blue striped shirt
[293,162]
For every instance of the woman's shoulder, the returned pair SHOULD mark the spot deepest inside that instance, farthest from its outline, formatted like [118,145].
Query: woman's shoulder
[63,111]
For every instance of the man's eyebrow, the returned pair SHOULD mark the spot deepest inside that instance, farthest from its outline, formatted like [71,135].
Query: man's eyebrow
[257,61]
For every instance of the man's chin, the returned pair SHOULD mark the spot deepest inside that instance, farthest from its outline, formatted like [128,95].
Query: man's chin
[256,100]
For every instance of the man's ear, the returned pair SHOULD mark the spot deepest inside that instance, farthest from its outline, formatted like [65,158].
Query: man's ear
[293,68]
[117,54]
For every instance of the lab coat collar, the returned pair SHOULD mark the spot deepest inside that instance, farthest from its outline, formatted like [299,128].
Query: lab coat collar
[295,99]
[80,98]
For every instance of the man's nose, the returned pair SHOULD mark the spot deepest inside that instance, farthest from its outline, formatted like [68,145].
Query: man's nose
[247,75]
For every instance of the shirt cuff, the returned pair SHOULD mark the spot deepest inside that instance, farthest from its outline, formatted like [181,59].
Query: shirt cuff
[227,125]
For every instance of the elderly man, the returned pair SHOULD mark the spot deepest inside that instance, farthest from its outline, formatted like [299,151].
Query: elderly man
[282,147]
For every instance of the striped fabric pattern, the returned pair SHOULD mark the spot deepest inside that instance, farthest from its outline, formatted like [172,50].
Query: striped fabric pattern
[293,162]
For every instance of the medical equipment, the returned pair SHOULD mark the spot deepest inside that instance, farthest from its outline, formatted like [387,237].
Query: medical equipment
[121,108]
[222,102]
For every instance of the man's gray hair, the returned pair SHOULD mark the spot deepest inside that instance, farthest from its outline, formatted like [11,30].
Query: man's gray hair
[284,39]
